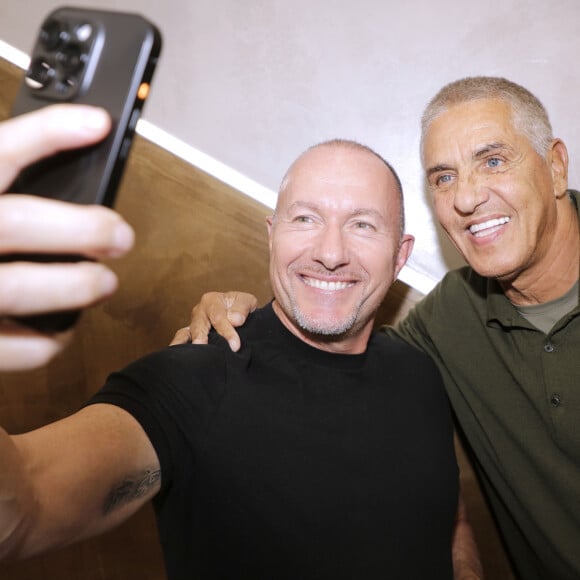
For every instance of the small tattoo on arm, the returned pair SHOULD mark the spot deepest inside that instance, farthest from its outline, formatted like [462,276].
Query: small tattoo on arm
[130,489]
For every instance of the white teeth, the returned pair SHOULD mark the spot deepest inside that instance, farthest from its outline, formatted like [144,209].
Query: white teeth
[489,224]
[325,285]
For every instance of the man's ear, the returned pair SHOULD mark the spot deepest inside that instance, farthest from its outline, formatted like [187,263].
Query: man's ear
[558,159]
[405,249]
[269,225]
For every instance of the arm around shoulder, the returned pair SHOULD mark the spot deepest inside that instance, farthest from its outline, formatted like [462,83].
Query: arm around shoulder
[222,311]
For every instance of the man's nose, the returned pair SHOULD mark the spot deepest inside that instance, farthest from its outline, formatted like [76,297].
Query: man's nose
[330,248]
[470,193]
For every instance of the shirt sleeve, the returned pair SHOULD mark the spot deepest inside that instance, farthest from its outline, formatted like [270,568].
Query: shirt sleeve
[173,394]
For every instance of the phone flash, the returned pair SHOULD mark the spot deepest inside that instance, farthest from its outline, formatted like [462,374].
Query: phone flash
[143,91]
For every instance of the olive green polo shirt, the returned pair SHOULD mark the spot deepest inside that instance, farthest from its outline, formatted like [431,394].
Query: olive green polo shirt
[516,393]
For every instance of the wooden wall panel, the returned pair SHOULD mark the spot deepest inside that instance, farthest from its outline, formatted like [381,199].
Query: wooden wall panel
[193,234]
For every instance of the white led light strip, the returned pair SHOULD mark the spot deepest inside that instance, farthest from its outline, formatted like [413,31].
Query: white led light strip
[193,156]
[213,167]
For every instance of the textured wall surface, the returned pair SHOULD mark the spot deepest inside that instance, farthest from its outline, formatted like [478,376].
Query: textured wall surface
[253,83]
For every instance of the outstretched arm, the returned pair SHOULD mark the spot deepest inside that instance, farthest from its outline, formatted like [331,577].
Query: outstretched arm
[73,479]
[222,310]
[36,225]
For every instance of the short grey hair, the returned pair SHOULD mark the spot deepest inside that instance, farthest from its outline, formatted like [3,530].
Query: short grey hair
[529,116]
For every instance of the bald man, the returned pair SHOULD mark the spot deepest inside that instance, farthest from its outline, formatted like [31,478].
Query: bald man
[319,450]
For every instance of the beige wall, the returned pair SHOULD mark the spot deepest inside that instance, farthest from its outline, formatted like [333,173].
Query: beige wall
[254,82]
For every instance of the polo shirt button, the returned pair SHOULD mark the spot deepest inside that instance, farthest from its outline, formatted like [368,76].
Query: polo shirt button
[555,400]
[549,347]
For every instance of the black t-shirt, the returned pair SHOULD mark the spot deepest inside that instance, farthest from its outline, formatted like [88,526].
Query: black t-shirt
[285,461]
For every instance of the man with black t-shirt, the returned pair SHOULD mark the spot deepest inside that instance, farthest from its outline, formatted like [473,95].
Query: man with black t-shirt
[319,450]
[504,330]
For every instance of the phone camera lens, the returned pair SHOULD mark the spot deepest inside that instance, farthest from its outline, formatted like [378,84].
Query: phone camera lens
[66,85]
[53,34]
[71,58]
[40,74]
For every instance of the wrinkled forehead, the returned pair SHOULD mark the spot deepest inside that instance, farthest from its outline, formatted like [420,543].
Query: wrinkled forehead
[469,125]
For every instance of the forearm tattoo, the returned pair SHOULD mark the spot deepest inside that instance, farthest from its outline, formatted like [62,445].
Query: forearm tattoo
[130,489]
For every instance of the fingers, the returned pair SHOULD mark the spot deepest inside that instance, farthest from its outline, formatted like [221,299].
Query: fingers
[31,224]
[199,325]
[34,225]
[182,336]
[239,305]
[23,349]
[223,311]
[30,137]
[224,328]
[32,288]
[213,311]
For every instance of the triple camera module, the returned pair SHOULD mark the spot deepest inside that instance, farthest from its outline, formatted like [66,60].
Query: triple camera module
[59,59]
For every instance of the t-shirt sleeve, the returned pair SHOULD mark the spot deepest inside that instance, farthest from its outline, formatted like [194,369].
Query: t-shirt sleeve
[174,395]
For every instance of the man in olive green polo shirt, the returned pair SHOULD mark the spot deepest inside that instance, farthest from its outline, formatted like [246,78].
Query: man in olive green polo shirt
[505,331]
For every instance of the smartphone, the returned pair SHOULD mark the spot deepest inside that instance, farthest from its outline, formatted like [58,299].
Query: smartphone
[93,57]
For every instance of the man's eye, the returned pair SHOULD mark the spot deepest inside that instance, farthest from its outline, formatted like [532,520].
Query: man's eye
[494,162]
[303,219]
[364,226]
[443,179]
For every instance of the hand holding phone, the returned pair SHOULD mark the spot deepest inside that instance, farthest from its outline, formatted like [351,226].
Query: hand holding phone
[89,57]
[31,224]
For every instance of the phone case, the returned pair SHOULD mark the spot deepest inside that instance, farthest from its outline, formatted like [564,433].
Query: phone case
[92,57]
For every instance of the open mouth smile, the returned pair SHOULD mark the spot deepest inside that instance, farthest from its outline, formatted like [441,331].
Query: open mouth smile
[488,227]
[326,285]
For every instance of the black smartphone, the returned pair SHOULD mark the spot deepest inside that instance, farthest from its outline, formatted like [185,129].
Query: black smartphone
[93,57]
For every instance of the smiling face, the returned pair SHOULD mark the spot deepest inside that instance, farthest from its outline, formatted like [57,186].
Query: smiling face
[335,246]
[494,195]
